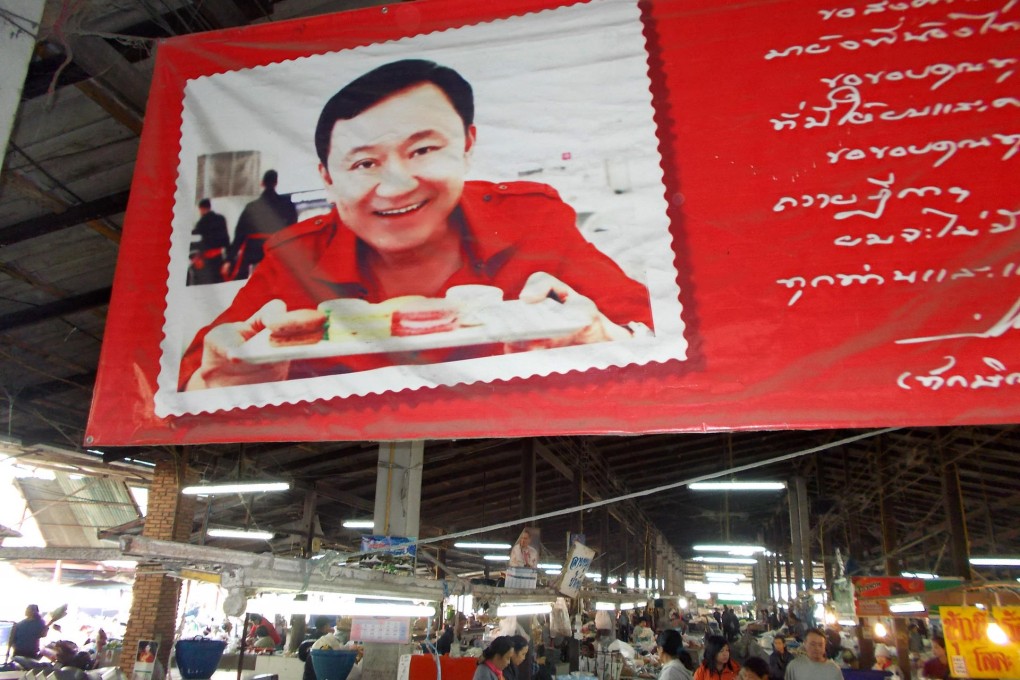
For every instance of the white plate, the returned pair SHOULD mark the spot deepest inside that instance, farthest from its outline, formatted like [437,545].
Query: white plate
[510,321]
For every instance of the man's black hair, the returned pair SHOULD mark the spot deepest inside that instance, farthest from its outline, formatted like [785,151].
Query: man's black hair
[205,203]
[270,179]
[371,88]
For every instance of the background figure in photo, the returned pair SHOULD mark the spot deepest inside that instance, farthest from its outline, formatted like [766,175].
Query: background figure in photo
[263,217]
[208,246]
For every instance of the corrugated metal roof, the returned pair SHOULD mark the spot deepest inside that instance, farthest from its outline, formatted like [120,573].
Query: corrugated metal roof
[70,512]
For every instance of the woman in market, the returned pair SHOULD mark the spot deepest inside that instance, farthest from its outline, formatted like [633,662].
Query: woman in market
[716,663]
[518,657]
[779,658]
[671,646]
[494,659]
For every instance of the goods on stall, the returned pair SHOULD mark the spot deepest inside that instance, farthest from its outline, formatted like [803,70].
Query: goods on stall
[197,658]
[333,664]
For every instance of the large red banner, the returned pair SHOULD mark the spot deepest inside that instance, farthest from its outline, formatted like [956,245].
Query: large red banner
[672,215]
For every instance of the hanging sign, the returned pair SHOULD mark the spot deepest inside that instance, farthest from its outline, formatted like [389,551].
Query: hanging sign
[578,562]
[450,219]
[972,654]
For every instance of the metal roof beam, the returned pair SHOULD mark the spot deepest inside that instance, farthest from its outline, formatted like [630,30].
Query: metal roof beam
[63,307]
[106,206]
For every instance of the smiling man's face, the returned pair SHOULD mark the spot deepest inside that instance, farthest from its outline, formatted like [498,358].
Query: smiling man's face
[396,170]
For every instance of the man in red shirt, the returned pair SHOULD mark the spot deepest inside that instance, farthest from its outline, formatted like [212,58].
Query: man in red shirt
[394,147]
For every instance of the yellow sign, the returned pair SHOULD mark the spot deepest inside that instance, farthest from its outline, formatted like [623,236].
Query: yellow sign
[971,653]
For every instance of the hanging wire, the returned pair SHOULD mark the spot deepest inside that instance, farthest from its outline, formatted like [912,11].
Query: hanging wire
[636,494]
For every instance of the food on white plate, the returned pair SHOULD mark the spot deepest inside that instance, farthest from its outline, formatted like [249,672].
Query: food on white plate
[472,298]
[420,317]
[354,319]
[297,327]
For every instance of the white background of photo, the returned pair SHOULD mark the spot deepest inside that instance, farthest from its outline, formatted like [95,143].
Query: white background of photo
[562,97]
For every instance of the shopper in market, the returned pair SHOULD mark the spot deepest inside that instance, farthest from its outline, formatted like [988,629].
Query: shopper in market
[445,641]
[779,659]
[937,667]
[755,668]
[716,663]
[814,665]
[671,646]
[24,639]
[518,658]
[643,635]
[885,660]
[494,659]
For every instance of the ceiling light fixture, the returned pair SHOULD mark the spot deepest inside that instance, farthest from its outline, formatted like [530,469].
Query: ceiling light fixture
[234,487]
[359,524]
[995,561]
[725,560]
[737,486]
[385,609]
[605,607]
[732,550]
[909,607]
[482,546]
[241,533]
[523,609]
[719,576]
[549,565]
[496,558]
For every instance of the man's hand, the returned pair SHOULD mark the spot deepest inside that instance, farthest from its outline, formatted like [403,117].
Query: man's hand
[219,370]
[540,287]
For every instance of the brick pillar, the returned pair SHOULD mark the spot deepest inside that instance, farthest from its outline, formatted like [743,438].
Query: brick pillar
[155,595]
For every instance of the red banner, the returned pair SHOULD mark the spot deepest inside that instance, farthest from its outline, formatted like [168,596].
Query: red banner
[682,215]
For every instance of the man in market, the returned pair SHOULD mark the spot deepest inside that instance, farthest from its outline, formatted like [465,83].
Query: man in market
[24,639]
[210,240]
[260,219]
[814,665]
[394,147]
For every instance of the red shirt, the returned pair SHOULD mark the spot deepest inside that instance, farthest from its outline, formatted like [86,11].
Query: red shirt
[508,232]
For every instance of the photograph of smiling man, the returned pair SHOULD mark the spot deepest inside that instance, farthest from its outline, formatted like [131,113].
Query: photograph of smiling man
[478,204]
[394,148]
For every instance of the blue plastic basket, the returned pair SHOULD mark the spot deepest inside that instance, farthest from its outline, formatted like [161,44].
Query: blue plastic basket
[197,659]
[333,664]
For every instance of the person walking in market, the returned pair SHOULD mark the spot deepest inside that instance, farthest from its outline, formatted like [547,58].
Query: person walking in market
[814,665]
[24,639]
[716,663]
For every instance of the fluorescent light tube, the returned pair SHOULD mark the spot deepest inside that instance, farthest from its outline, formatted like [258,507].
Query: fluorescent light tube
[240,533]
[717,576]
[496,558]
[605,607]
[549,565]
[911,607]
[359,524]
[744,549]
[523,609]
[234,487]
[737,486]
[725,560]
[995,561]
[482,546]
[919,574]
[385,609]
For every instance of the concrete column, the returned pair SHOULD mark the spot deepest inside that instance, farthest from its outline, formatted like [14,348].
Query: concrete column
[804,517]
[604,545]
[397,508]
[892,568]
[797,554]
[959,543]
[156,596]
